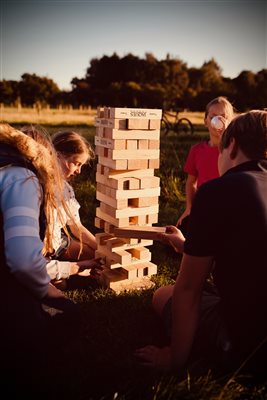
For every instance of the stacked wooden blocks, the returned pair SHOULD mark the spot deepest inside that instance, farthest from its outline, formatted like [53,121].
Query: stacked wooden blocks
[128,148]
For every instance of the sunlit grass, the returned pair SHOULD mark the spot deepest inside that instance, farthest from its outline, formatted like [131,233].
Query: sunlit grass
[65,115]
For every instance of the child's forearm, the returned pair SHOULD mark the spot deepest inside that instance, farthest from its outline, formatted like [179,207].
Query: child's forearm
[190,191]
[86,236]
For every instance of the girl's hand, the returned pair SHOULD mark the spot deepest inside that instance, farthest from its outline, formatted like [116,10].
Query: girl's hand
[185,214]
[95,263]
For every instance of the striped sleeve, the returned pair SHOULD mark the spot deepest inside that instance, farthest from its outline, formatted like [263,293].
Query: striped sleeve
[20,199]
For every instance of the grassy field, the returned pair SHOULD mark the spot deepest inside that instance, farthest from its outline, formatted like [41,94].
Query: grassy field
[114,325]
[64,116]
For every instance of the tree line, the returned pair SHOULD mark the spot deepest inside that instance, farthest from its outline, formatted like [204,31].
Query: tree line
[131,81]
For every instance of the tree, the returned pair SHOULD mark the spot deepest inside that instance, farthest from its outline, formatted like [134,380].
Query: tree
[261,95]
[245,90]
[9,92]
[33,89]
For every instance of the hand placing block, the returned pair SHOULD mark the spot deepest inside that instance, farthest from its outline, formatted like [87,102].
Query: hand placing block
[140,232]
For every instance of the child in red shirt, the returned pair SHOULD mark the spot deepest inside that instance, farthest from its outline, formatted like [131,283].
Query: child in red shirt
[201,163]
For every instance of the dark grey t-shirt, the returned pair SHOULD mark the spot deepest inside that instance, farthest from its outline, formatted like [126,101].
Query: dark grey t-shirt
[229,222]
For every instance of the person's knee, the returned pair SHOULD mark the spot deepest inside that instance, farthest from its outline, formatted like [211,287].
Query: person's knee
[160,298]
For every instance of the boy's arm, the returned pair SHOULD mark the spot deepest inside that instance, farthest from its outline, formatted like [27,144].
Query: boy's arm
[186,306]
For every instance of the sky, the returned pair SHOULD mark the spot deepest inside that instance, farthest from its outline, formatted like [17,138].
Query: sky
[58,39]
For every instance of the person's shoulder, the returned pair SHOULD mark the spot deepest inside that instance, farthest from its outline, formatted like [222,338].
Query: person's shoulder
[16,178]
[214,186]
[17,171]
[68,191]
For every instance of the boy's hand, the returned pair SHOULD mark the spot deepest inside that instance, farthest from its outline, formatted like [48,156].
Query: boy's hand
[173,237]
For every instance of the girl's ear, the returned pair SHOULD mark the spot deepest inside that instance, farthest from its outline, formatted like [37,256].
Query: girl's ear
[233,147]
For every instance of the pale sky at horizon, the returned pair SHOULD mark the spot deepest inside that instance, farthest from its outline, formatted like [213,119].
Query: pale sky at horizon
[57,39]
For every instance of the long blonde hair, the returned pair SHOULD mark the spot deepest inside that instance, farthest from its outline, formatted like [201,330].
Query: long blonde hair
[42,156]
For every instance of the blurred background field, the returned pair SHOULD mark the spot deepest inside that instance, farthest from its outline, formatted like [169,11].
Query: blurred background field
[65,115]
[50,116]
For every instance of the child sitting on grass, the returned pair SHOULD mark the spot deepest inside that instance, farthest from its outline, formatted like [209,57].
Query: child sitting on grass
[73,152]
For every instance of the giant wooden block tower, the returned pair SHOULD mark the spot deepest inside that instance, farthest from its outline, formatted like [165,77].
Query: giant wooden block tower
[128,148]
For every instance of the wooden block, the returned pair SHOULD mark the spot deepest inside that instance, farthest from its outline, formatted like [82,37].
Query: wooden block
[131,173]
[131,183]
[113,123]
[149,182]
[141,269]
[99,223]
[128,285]
[134,212]
[149,232]
[149,113]
[118,222]
[143,202]
[131,144]
[114,244]
[106,112]
[100,169]
[108,228]
[153,164]
[139,252]
[136,134]
[116,203]
[120,256]
[133,154]
[143,144]
[138,220]
[101,238]
[137,123]
[114,164]
[129,211]
[133,194]
[117,144]
[152,219]
[100,131]
[117,182]
[148,269]
[153,144]
[154,124]
[137,164]
[100,112]
[99,151]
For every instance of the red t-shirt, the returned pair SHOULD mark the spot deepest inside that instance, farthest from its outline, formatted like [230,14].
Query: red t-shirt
[202,162]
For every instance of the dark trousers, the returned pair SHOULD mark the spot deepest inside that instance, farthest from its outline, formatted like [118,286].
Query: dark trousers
[34,336]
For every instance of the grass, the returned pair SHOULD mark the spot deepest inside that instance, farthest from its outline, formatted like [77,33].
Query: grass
[65,115]
[61,116]
[114,325]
